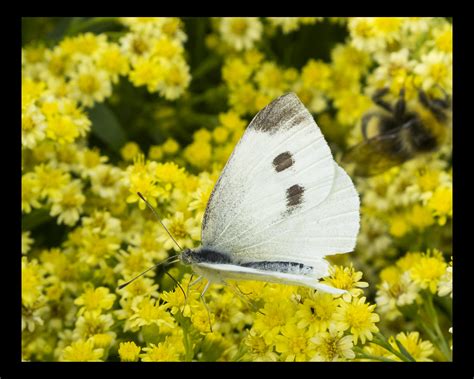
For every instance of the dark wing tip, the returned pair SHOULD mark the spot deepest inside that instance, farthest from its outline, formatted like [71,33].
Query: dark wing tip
[284,112]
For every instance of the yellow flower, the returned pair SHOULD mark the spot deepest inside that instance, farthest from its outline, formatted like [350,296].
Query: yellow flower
[332,346]
[31,281]
[26,242]
[51,180]
[316,313]
[68,203]
[445,285]
[146,71]
[409,260]
[155,153]
[220,134]
[351,107]
[85,44]
[359,317]
[198,154]
[128,351]
[242,99]
[175,79]
[93,324]
[420,217]
[89,84]
[240,33]
[167,48]
[106,181]
[274,316]
[287,24]
[169,173]
[258,349]
[139,288]
[444,38]
[436,70]
[82,351]
[30,192]
[163,352]
[398,225]
[62,129]
[346,278]
[113,62]
[316,75]
[293,345]
[184,230]
[428,180]
[441,203]
[95,299]
[170,146]
[270,79]
[132,262]
[33,126]
[141,179]
[130,150]
[253,57]
[147,311]
[388,27]
[416,347]
[428,271]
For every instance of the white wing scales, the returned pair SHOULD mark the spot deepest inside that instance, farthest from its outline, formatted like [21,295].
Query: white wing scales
[249,179]
[222,272]
[281,196]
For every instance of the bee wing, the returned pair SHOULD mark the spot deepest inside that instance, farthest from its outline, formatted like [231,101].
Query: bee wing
[377,154]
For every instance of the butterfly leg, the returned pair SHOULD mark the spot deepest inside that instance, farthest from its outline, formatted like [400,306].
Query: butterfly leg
[205,304]
[237,291]
[193,283]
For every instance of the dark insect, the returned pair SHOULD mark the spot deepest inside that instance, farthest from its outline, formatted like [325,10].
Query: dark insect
[396,133]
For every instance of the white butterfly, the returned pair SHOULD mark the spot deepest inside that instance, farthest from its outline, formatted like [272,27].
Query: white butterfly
[280,205]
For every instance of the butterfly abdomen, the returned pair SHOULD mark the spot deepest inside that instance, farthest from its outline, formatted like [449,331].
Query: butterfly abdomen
[280,266]
[205,255]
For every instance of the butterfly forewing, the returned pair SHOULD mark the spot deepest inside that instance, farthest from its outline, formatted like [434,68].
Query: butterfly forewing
[269,203]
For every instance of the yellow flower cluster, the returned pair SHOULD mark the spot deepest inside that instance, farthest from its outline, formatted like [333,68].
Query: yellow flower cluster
[306,325]
[155,50]
[86,231]
[402,283]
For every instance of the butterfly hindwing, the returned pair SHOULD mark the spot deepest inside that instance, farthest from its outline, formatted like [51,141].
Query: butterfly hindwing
[229,271]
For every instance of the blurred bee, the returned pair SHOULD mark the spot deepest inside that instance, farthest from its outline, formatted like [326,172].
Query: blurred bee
[396,133]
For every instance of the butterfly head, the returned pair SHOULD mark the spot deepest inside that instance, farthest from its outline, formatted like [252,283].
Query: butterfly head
[187,257]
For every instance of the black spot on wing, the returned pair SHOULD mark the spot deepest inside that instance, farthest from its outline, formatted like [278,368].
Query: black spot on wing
[285,112]
[283,161]
[294,196]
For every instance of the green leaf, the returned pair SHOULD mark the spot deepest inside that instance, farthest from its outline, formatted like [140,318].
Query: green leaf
[106,127]
[35,218]
[404,351]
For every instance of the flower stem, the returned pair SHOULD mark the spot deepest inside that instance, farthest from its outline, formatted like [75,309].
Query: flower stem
[439,339]
[379,339]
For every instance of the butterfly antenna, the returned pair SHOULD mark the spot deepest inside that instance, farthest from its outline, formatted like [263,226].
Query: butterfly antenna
[166,261]
[158,218]
[179,285]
